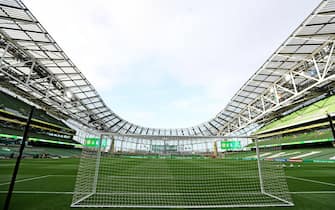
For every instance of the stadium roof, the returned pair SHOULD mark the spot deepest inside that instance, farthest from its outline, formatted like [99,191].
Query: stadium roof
[32,62]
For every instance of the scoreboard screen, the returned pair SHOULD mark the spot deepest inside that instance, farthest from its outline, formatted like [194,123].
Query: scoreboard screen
[231,145]
[94,142]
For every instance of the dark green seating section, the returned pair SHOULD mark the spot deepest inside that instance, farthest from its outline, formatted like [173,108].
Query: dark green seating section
[297,138]
[13,151]
[33,135]
[7,101]
[20,108]
[9,131]
[308,113]
[321,153]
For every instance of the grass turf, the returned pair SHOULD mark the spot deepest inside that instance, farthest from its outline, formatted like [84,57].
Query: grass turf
[59,176]
[125,181]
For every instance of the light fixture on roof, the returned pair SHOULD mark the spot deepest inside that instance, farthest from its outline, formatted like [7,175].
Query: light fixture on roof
[312,72]
[287,77]
[279,95]
[68,94]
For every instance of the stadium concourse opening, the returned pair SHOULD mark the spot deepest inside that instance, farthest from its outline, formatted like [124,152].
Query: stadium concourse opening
[272,145]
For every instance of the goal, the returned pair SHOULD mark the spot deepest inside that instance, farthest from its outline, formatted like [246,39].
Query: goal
[135,171]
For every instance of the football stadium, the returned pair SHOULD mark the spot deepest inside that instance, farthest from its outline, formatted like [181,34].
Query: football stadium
[272,146]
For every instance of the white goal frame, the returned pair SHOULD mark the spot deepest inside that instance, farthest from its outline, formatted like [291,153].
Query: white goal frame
[88,176]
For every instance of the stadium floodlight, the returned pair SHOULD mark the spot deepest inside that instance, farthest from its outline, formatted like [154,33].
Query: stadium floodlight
[68,94]
[134,171]
[287,77]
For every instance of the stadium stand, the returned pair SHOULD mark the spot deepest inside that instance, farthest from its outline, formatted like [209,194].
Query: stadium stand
[302,138]
[315,154]
[314,112]
[308,126]
[12,151]
[17,107]
[45,129]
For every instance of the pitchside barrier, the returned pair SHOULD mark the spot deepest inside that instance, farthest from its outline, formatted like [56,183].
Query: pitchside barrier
[178,172]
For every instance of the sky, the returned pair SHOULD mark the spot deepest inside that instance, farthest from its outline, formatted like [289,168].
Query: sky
[169,63]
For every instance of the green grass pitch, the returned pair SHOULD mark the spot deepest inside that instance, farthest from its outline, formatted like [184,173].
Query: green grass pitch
[49,184]
[176,181]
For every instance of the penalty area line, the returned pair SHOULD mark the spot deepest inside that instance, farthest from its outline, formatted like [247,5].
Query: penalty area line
[310,180]
[38,192]
[27,179]
[71,193]
[313,192]
[38,177]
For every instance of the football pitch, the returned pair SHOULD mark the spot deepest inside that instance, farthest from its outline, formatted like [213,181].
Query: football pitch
[49,184]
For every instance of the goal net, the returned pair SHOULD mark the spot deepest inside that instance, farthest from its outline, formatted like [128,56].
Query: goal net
[177,172]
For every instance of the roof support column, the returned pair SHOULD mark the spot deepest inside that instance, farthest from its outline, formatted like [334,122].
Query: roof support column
[328,64]
[4,54]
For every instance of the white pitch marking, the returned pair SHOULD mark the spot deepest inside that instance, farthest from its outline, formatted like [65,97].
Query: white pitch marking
[279,154]
[310,180]
[261,155]
[292,153]
[306,154]
[38,192]
[28,179]
[71,193]
[332,158]
[313,192]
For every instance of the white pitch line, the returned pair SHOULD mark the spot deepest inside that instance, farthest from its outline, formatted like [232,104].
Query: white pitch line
[292,153]
[71,193]
[38,192]
[28,179]
[276,155]
[261,155]
[310,180]
[306,154]
[313,192]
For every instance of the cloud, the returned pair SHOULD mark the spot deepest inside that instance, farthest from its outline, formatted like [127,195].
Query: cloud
[214,46]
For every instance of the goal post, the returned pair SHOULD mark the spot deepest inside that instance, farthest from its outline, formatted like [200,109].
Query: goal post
[137,171]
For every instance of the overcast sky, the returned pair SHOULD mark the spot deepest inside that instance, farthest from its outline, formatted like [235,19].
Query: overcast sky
[169,63]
